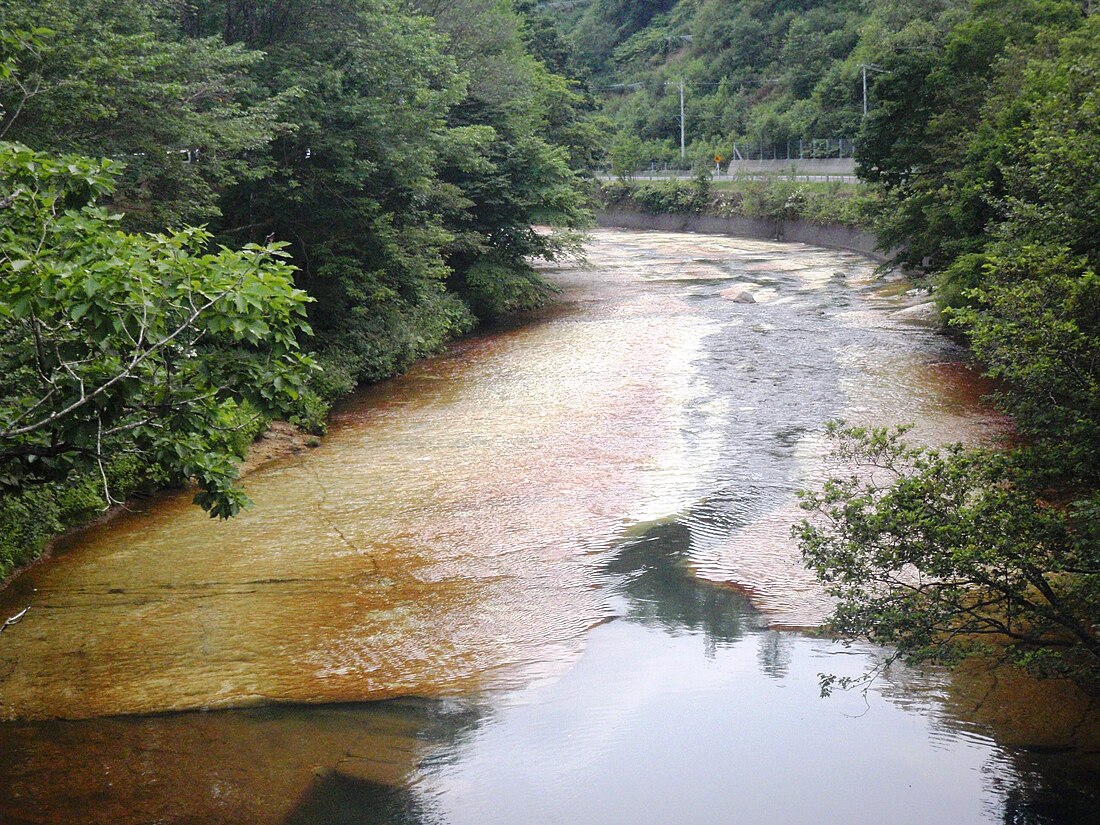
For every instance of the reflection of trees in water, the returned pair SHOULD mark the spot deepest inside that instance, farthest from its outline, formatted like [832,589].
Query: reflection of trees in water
[656,580]
[663,592]
[1027,786]
[338,796]
[335,799]
[774,653]
[343,763]
[1030,799]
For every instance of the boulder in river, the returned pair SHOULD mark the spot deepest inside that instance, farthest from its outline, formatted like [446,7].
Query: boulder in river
[738,294]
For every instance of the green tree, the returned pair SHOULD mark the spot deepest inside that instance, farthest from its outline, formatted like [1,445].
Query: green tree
[605,24]
[972,549]
[947,553]
[508,158]
[121,80]
[923,145]
[629,153]
[353,186]
[112,342]
[1033,317]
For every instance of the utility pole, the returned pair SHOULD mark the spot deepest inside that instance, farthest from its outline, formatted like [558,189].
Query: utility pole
[685,38]
[683,151]
[864,67]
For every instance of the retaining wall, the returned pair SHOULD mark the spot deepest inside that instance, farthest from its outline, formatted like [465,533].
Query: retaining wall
[831,236]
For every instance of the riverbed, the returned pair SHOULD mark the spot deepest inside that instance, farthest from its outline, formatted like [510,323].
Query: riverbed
[544,577]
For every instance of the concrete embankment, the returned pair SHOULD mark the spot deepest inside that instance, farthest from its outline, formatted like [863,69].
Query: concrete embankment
[830,236]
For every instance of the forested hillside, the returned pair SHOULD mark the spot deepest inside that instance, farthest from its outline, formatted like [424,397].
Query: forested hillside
[759,73]
[379,165]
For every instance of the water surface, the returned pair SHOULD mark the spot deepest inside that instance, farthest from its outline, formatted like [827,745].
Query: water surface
[544,577]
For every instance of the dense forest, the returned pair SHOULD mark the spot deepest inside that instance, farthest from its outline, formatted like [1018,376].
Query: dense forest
[759,74]
[213,212]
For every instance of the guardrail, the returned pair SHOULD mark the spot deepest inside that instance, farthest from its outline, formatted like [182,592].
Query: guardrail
[807,176]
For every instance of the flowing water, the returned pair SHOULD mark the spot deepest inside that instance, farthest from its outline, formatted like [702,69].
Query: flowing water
[545,577]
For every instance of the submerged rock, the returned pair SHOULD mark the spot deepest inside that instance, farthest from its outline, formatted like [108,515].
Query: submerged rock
[738,295]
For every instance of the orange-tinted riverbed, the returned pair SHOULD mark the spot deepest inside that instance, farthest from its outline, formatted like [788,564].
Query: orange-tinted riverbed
[484,598]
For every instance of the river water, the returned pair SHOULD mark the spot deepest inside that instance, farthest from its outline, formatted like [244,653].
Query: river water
[545,577]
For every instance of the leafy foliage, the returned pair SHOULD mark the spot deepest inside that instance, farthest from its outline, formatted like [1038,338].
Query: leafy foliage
[938,140]
[774,198]
[754,71]
[393,146]
[119,80]
[400,153]
[510,157]
[671,197]
[150,341]
[1036,326]
[943,554]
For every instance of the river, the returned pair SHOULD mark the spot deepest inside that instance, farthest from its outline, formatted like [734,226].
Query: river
[545,577]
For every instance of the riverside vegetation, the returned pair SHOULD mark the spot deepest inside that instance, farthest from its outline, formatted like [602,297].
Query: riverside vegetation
[771,197]
[366,174]
[986,151]
[399,153]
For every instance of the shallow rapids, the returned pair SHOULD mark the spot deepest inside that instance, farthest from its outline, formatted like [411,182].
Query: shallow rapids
[560,551]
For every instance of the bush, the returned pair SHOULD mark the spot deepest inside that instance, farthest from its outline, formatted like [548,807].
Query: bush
[615,192]
[31,517]
[494,289]
[373,329]
[670,197]
[775,198]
